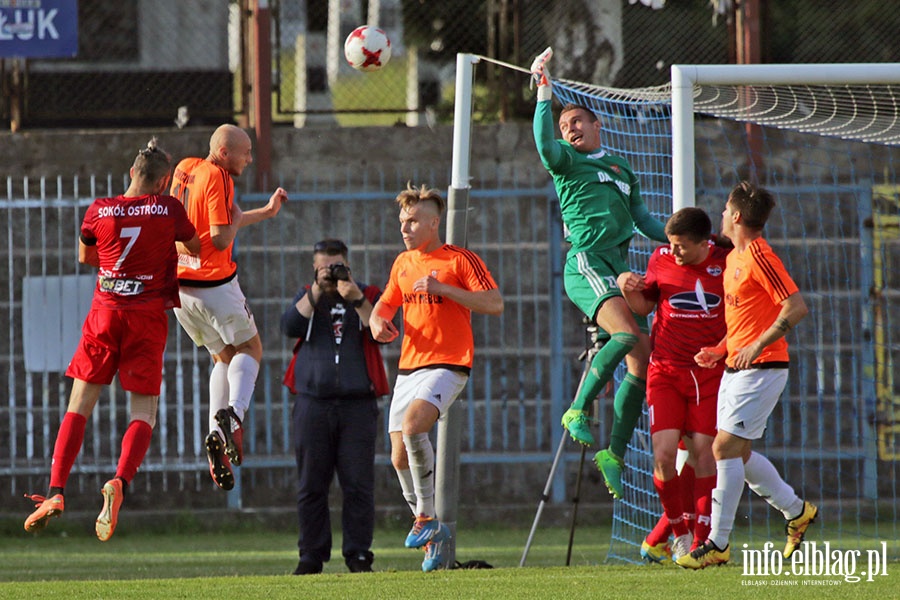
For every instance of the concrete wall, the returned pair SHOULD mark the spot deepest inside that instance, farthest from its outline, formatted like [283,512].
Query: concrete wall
[295,152]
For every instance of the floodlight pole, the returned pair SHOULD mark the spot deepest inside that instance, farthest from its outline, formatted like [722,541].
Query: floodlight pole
[449,429]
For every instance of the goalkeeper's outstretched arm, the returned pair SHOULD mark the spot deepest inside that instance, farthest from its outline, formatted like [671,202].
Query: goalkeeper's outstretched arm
[548,146]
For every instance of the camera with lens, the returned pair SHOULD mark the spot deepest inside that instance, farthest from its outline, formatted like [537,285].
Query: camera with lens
[338,272]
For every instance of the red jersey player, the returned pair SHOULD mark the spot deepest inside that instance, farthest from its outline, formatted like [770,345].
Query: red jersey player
[131,240]
[684,286]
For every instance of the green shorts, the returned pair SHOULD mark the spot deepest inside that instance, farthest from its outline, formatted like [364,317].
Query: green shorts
[590,279]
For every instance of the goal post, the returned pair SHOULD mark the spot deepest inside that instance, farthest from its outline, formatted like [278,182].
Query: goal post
[686,77]
[449,429]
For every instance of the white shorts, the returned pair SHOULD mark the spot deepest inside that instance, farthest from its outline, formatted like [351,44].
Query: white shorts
[216,317]
[439,387]
[747,398]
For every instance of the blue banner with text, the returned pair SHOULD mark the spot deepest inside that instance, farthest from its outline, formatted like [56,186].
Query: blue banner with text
[38,28]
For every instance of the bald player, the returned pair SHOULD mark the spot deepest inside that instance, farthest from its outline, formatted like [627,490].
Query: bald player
[214,311]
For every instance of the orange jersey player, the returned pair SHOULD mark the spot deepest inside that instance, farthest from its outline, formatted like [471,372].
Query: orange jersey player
[214,311]
[762,303]
[438,285]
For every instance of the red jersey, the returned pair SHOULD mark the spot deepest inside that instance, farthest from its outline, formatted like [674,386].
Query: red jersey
[207,191]
[756,283]
[135,239]
[436,331]
[690,309]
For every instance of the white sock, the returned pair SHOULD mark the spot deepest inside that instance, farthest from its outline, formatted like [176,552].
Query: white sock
[409,491]
[421,467]
[764,480]
[242,374]
[218,393]
[725,499]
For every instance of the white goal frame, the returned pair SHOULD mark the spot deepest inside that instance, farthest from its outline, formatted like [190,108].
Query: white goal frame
[684,77]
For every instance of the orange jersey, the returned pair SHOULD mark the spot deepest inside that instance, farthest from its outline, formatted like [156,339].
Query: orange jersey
[436,331]
[207,192]
[756,283]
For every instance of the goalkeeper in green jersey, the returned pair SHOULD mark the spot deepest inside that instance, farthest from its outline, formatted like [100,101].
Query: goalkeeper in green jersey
[600,201]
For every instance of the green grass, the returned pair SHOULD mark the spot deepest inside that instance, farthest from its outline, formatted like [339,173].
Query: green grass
[67,562]
[384,89]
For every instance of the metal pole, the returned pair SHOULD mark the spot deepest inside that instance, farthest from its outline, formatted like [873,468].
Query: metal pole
[262,92]
[545,496]
[449,428]
[586,357]
[575,499]
[682,138]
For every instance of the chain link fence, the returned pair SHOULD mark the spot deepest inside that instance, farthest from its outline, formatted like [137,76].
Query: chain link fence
[162,62]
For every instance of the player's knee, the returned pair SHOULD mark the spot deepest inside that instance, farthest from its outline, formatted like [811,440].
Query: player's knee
[144,408]
[664,459]
[625,339]
[399,459]
[252,347]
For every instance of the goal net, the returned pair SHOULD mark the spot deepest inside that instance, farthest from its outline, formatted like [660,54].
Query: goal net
[824,139]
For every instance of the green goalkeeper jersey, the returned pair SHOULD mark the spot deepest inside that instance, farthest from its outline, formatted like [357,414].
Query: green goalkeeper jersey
[599,194]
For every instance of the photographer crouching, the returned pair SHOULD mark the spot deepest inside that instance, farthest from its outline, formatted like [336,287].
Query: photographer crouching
[337,374]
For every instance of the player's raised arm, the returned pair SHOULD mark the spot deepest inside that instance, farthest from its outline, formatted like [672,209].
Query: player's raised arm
[548,146]
[271,209]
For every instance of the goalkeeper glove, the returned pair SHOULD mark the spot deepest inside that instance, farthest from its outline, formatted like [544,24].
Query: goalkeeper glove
[540,74]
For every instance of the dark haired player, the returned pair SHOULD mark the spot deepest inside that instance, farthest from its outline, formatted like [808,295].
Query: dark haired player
[131,239]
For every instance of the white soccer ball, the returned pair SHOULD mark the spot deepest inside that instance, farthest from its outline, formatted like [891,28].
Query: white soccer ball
[367,48]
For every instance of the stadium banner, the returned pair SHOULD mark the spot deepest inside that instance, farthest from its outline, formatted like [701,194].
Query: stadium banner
[38,28]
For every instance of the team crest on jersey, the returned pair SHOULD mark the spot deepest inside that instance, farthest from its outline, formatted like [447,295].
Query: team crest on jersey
[616,169]
[737,273]
[714,270]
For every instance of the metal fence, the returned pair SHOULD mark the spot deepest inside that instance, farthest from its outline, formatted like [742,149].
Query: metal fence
[524,361]
[525,370]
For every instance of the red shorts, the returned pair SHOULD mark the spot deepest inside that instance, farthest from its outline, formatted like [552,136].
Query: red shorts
[131,342]
[683,398]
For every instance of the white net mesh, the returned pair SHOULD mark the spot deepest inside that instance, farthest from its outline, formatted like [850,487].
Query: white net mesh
[868,113]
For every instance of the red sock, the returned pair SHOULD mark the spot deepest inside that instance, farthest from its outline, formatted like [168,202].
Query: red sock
[67,447]
[661,531]
[687,481]
[135,443]
[670,497]
[703,502]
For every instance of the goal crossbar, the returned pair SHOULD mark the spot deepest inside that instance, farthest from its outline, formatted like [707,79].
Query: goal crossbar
[686,77]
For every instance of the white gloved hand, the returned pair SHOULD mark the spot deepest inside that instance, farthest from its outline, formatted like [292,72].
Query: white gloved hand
[540,74]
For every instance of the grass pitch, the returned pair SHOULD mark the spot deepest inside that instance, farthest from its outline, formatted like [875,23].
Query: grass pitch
[66,561]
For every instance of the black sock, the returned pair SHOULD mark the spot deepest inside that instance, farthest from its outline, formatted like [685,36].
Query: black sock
[54,491]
